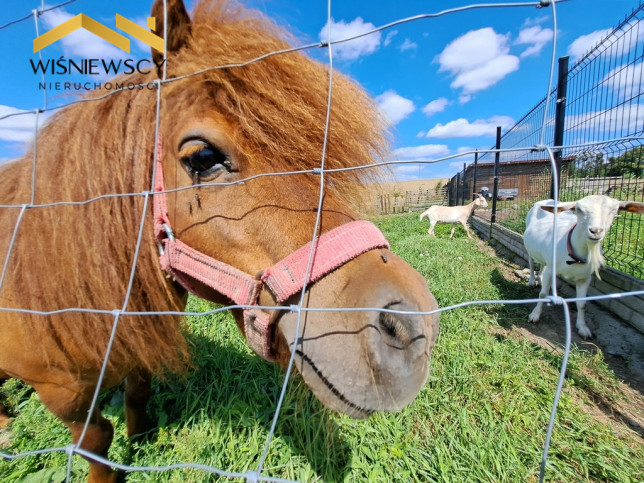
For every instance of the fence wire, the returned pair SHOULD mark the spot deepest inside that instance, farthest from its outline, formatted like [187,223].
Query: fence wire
[538,141]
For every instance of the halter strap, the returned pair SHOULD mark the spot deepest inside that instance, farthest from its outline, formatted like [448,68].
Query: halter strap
[571,252]
[284,279]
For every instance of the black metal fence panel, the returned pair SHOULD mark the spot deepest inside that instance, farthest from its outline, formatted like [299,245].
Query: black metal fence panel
[601,129]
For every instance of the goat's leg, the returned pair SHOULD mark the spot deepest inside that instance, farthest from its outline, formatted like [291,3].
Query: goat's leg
[453,228]
[546,279]
[467,230]
[137,394]
[582,328]
[71,406]
[432,224]
[532,282]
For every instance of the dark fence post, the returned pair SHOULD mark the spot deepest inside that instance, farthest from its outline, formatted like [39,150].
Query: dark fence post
[476,162]
[560,120]
[497,159]
[463,186]
[452,191]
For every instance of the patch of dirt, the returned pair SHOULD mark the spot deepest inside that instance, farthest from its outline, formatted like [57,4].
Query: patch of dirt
[621,344]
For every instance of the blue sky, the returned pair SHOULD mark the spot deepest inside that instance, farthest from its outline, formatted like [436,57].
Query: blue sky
[444,83]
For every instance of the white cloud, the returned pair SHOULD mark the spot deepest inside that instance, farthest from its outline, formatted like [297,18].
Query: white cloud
[583,44]
[529,22]
[407,168]
[18,128]
[407,45]
[436,106]
[421,153]
[620,121]
[464,128]
[477,60]
[625,80]
[81,43]
[486,75]
[394,107]
[388,38]
[535,37]
[351,49]
[408,172]
[467,154]
[620,43]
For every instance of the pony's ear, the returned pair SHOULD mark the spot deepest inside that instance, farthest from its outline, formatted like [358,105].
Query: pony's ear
[178,29]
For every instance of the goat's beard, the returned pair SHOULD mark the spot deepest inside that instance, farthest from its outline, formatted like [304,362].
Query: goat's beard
[595,256]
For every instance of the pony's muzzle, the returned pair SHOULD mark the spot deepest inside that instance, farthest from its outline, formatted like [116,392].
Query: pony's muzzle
[372,359]
[398,352]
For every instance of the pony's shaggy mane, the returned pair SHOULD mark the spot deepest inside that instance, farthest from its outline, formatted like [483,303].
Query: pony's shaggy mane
[279,104]
[81,256]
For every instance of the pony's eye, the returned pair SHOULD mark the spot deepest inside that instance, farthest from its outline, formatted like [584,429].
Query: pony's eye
[202,159]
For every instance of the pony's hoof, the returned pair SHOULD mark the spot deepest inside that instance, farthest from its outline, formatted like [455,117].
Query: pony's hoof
[5,420]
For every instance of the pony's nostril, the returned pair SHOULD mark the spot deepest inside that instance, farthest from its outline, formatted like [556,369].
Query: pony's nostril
[387,324]
[393,326]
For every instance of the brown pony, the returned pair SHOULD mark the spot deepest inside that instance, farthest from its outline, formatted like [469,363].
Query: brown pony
[219,126]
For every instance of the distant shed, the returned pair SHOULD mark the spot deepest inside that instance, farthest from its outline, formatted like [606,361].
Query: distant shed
[521,175]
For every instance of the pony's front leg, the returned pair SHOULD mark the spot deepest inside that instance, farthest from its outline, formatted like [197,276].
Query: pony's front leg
[582,291]
[546,279]
[137,395]
[4,415]
[71,407]
[98,438]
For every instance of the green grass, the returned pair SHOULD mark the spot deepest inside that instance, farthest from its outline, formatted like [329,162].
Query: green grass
[482,416]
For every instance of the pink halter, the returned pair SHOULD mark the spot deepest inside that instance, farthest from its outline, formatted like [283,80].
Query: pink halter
[284,279]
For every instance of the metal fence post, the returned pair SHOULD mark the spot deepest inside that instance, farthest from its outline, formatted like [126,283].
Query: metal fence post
[560,120]
[497,158]
[476,162]
[463,186]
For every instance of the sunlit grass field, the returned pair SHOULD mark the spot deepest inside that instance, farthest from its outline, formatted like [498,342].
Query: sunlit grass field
[482,416]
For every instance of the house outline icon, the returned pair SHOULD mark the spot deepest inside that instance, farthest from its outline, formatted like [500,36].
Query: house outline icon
[83,21]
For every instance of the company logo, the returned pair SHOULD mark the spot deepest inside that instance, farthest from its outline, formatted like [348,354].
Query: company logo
[83,21]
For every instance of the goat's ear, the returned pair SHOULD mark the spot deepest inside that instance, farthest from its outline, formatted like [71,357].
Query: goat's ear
[178,30]
[631,206]
[569,206]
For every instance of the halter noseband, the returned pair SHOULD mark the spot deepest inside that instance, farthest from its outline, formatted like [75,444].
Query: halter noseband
[284,279]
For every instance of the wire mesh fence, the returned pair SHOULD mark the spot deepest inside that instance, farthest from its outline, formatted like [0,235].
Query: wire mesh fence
[535,146]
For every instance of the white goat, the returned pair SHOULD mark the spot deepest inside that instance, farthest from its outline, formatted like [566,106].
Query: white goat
[452,214]
[581,229]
